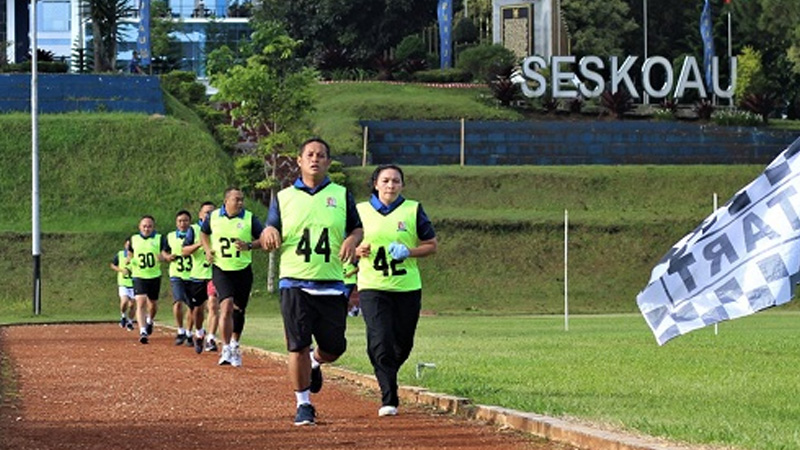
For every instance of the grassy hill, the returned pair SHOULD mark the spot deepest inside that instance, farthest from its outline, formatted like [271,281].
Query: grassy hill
[98,174]
[341,105]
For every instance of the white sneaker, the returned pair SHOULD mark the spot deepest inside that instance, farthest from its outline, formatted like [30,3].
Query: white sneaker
[387,411]
[225,357]
[236,357]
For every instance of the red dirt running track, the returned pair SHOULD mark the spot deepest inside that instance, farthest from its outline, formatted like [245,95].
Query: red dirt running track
[96,387]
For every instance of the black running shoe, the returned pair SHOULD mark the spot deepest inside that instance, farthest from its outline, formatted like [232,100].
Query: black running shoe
[122,322]
[149,328]
[179,339]
[305,415]
[211,346]
[143,338]
[198,344]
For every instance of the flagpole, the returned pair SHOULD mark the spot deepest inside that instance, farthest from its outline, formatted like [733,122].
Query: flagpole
[35,231]
[566,272]
[645,97]
[730,46]
[715,202]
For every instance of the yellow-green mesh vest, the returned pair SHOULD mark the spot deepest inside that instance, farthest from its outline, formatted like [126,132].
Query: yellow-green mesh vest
[122,279]
[313,228]
[224,232]
[181,266]
[379,270]
[145,256]
[201,269]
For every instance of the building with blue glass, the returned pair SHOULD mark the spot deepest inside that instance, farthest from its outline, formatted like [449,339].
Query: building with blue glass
[64,25]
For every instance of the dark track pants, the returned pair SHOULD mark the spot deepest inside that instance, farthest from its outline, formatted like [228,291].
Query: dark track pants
[391,319]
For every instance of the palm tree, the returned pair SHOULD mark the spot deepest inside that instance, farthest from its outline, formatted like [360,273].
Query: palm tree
[106,17]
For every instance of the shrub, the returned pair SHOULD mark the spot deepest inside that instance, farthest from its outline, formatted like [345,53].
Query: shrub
[704,109]
[735,117]
[411,47]
[663,114]
[618,103]
[212,117]
[42,55]
[338,178]
[335,167]
[386,66]
[442,76]
[575,105]
[332,62]
[248,171]
[185,87]
[44,67]
[762,103]
[748,71]
[503,89]
[227,136]
[465,31]
[484,60]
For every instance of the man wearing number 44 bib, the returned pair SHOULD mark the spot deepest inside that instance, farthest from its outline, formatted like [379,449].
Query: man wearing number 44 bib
[228,236]
[148,249]
[315,225]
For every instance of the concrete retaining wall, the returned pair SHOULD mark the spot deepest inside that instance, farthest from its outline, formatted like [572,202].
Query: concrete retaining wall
[572,142]
[86,92]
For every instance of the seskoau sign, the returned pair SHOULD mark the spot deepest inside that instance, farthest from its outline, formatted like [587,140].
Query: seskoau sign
[565,84]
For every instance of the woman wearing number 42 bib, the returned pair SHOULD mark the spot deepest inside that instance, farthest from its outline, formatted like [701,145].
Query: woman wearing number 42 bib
[396,232]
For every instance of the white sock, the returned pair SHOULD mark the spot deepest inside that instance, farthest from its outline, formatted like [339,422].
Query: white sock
[211,337]
[234,343]
[124,316]
[149,320]
[200,333]
[142,330]
[303,397]
[314,362]
[182,331]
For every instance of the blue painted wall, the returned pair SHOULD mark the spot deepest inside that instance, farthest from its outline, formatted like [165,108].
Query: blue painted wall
[72,92]
[566,142]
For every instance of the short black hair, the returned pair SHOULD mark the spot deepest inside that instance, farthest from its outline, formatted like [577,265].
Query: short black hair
[318,140]
[183,212]
[147,216]
[207,203]
[229,190]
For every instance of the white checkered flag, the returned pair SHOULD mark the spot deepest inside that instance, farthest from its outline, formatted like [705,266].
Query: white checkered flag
[743,258]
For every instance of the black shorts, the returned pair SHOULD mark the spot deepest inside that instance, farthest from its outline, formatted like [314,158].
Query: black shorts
[322,316]
[196,292]
[234,284]
[147,286]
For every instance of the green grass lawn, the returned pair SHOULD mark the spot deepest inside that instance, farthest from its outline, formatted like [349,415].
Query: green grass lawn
[738,388]
[341,105]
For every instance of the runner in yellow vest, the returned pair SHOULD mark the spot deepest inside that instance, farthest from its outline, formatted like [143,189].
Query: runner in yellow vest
[148,250]
[315,225]
[200,288]
[122,266]
[228,237]
[396,232]
[180,268]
